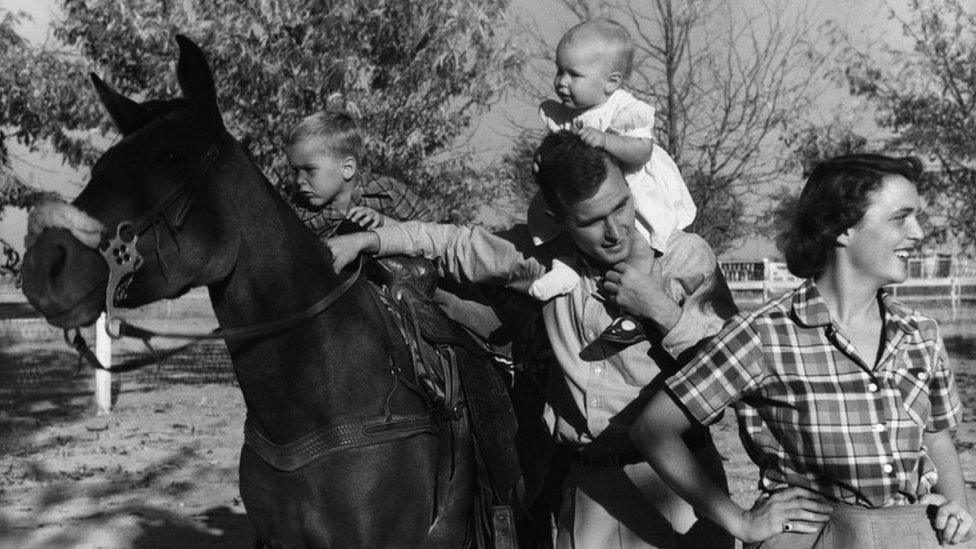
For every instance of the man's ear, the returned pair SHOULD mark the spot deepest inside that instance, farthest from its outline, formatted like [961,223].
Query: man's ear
[349,167]
[614,81]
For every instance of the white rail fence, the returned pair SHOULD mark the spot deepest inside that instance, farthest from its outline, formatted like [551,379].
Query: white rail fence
[945,279]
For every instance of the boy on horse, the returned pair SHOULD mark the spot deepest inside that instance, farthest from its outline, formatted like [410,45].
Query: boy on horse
[326,151]
[611,497]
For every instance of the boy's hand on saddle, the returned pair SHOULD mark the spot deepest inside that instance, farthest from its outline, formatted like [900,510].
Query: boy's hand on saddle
[346,248]
[952,521]
[794,509]
[366,217]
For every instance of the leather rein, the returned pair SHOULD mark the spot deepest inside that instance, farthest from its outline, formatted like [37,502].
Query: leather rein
[124,260]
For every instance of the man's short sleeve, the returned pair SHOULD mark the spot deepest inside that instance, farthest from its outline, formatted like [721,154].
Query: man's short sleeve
[730,365]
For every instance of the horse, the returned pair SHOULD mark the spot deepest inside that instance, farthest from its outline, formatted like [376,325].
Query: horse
[343,447]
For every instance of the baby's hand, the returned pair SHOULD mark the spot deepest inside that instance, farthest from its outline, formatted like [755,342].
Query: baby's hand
[365,217]
[593,138]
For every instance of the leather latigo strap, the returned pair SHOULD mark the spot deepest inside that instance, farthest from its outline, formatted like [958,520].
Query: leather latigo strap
[331,439]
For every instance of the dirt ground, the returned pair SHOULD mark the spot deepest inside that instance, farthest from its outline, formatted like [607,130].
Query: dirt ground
[161,470]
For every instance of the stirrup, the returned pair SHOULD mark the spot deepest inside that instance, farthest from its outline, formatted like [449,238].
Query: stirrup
[624,330]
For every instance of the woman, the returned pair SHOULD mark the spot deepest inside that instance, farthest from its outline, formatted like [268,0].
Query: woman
[843,395]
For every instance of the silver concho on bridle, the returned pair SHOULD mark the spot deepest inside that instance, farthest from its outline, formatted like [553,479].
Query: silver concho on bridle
[123,259]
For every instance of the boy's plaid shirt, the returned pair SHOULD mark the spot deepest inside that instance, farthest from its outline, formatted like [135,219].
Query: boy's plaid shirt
[812,413]
[379,192]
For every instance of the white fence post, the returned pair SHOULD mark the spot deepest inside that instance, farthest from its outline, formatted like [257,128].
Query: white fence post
[766,277]
[103,379]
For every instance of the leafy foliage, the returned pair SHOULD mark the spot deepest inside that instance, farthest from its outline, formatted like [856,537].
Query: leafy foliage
[417,73]
[927,98]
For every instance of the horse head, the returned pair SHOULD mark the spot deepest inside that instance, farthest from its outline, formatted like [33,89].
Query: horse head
[153,193]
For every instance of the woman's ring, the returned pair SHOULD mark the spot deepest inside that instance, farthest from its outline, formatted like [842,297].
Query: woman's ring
[787,527]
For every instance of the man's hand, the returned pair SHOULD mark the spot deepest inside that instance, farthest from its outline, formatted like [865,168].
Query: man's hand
[952,521]
[593,137]
[642,294]
[790,510]
[346,248]
[366,217]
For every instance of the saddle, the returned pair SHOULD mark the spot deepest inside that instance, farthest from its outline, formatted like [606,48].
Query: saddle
[456,372]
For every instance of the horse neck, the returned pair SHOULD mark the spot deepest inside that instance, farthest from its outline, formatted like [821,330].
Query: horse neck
[331,366]
[281,268]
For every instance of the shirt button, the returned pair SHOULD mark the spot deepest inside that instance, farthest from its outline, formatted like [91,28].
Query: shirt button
[923,376]
[595,401]
[873,387]
[878,427]
[598,370]
[887,468]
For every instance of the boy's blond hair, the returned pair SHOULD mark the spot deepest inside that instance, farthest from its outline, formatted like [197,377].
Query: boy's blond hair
[336,130]
[612,34]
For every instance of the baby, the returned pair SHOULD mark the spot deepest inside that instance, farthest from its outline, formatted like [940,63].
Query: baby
[593,59]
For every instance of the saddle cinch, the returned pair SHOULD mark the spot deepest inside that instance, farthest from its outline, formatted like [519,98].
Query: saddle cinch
[459,373]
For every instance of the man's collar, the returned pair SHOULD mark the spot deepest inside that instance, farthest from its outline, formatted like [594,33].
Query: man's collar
[810,309]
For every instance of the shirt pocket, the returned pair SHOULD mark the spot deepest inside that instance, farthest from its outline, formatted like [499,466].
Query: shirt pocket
[912,383]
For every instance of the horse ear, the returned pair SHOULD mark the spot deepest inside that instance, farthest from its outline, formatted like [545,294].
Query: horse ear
[193,73]
[125,112]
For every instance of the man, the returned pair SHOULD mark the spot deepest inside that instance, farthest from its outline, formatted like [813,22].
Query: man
[611,497]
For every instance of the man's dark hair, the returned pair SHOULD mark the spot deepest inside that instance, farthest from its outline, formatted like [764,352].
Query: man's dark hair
[568,171]
[834,199]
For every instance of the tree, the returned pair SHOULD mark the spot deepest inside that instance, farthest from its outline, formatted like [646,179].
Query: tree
[726,84]
[811,145]
[24,96]
[417,73]
[927,98]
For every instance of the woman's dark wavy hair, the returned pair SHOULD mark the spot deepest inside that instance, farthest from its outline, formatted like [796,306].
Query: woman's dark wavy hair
[834,199]
[568,170]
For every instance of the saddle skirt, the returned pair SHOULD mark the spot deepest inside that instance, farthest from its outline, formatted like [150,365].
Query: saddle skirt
[456,371]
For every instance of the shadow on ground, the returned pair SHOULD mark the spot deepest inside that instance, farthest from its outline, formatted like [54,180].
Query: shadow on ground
[137,527]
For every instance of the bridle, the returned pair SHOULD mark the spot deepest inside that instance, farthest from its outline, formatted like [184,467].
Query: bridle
[123,259]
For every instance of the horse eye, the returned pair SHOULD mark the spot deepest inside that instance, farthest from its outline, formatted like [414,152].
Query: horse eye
[168,157]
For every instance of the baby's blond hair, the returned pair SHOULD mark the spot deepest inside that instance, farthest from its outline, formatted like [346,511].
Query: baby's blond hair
[611,34]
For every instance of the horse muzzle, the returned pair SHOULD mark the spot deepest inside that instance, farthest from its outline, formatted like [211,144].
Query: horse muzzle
[64,279]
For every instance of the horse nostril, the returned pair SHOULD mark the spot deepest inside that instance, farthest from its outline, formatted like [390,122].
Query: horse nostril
[58,259]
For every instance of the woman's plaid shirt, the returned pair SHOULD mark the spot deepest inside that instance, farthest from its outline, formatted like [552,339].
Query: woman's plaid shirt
[812,413]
